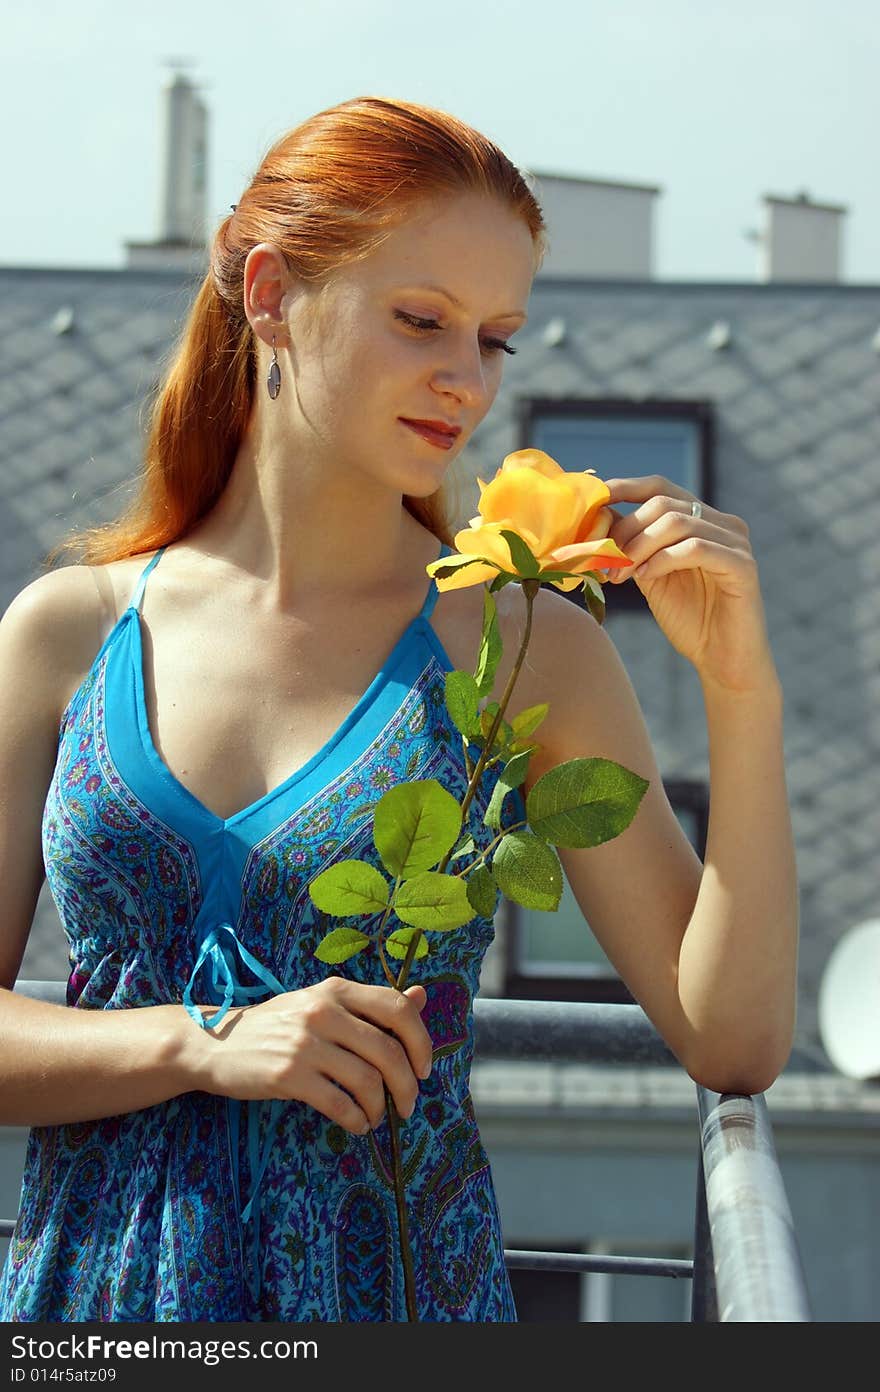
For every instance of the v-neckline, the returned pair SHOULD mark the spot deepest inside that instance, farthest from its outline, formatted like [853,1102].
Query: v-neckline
[350,720]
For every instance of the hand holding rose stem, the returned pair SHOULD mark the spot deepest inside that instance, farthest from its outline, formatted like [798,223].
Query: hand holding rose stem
[538,523]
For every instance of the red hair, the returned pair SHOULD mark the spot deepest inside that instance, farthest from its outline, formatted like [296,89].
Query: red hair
[326,194]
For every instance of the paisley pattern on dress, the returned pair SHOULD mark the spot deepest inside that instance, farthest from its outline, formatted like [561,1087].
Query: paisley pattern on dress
[138,1217]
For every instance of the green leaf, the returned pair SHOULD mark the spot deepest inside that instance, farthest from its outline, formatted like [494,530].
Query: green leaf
[584,802]
[396,943]
[487,716]
[466,846]
[503,735]
[491,646]
[525,563]
[523,747]
[350,887]
[482,891]
[511,777]
[595,598]
[527,722]
[528,871]
[415,825]
[433,900]
[516,769]
[341,944]
[501,579]
[492,814]
[462,701]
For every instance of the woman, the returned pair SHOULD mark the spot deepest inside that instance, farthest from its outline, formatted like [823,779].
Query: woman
[345,344]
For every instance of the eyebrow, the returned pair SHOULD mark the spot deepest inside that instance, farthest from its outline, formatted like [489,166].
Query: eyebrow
[438,290]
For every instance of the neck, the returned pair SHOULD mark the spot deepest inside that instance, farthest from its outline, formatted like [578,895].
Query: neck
[304,531]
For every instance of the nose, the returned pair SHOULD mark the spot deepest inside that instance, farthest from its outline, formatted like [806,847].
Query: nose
[462,374]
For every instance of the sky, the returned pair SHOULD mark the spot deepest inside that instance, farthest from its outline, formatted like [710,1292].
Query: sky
[715,102]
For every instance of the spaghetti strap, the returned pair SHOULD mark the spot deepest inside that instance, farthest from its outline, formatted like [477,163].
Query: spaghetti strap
[138,594]
[431,597]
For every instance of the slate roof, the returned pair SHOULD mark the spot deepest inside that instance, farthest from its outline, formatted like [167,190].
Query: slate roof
[797,454]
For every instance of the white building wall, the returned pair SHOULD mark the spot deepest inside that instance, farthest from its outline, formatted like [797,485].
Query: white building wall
[597,230]
[801,241]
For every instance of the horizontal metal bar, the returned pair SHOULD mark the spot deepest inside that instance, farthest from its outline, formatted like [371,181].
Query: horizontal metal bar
[758,1271]
[591,1261]
[53,991]
[581,1031]
[577,1030]
[554,1261]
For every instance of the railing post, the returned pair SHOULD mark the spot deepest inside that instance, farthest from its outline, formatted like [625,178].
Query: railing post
[758,1271]
[704,1303]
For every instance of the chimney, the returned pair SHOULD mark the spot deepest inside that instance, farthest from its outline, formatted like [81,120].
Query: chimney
[801,240]
[181,243]
[597,229]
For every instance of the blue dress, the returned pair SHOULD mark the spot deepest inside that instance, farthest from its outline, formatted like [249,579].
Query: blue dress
[203,1207]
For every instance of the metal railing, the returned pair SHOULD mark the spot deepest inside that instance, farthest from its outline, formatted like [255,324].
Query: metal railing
[746,1265]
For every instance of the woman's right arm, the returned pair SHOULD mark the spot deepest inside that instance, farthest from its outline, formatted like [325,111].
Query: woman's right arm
[59,1064]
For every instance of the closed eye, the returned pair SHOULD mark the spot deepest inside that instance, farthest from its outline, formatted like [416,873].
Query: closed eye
[491,345]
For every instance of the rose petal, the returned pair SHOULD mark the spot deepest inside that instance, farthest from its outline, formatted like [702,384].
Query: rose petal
[549,508]
[583,555]
[487,541]
[535,460]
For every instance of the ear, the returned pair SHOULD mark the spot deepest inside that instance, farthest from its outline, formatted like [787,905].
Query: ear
[267,282]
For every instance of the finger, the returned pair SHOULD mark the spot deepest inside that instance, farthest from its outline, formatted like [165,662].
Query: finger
[336,1105]
[398,1012]
[359,1077]
[639,490]
[665,532]
[696,553]
[657,507]
[384,1052]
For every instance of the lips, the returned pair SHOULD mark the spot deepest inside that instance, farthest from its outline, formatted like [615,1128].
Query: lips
[435,432]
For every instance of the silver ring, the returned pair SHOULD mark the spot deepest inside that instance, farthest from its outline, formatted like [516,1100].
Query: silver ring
[696,508]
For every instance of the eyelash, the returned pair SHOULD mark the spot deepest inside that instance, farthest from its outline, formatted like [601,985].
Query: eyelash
[494,345]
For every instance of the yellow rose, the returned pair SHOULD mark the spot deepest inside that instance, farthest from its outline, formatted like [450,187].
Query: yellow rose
[561,516]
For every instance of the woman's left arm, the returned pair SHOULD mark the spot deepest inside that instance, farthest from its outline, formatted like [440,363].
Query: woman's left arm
[719,974]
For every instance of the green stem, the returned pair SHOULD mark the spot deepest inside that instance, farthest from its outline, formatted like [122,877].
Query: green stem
[530,589]
[505,831]
[389,974]
[409,1280]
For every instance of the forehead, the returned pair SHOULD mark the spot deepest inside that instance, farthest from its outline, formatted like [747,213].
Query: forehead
[473,246]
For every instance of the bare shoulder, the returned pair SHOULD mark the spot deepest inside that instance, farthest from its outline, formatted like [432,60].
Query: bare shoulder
[574,666]
[55,626]
[565,645]
[49,635]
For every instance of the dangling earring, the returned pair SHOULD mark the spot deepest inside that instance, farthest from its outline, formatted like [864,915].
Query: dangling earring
[274,381]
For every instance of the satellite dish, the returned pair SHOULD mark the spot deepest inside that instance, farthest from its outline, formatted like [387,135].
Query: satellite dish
[849,1002]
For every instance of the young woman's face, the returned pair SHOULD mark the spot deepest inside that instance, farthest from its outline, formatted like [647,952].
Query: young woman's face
[388,344]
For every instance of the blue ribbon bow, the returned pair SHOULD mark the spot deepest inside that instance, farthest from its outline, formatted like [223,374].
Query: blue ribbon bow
[218,950]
